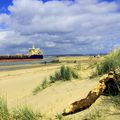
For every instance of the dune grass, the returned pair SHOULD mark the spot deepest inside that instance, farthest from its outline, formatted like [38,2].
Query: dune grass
[21,113]
[64,74]
[25,113]
[108,109]
[110,62]
[4,112]
[45,83]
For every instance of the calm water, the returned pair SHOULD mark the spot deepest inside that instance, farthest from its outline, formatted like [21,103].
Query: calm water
[20,65]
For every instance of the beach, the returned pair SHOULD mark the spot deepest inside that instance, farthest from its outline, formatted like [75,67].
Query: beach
[18,83]
[17,86]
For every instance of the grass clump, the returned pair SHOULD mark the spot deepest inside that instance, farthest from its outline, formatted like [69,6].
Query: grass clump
[4,112]
[110,62]
[108,109]
[22,113]
[26,113]
[41,86]
[64,74]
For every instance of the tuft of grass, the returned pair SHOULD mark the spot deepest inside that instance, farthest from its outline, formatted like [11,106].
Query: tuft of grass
[42,86]
[4,113]
[64,74]
[107,109]
[21,113]
[25,113]
[110,62]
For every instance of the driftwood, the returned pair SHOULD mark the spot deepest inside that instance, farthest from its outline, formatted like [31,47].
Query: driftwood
[106,86]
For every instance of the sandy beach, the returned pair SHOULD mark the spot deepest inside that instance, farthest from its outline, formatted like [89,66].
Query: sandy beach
[18,85]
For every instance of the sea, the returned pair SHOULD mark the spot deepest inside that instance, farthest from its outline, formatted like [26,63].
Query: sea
[6,66]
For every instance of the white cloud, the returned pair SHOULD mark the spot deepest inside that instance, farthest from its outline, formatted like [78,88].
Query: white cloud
[77,27]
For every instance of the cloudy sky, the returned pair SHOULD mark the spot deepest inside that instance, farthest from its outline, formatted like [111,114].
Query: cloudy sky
[59,26]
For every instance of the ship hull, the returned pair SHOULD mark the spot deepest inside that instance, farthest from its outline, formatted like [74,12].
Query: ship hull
[20,58]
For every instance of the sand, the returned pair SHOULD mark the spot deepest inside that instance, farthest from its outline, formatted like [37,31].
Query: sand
[18,85]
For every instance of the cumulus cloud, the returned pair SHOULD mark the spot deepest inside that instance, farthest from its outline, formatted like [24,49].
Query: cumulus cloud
[86,26]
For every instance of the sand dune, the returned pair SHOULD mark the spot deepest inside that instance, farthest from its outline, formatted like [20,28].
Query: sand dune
[19,84]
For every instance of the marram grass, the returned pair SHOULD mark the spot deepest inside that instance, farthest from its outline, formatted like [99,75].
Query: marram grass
[25,113]
[64,74]
[41,86]
[110,62]
[21,113]
[4,112]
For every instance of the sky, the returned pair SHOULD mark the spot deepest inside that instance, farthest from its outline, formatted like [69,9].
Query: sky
[59,26]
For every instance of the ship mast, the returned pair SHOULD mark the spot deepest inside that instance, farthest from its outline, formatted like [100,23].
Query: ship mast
[33,47]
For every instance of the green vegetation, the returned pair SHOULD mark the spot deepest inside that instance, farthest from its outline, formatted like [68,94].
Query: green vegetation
[41,86]
[22,113]
[4,113]
[108,109]
[25,113]
[115,101]
[110,62]
[64,74]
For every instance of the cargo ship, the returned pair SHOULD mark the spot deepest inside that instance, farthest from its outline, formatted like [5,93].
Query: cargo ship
[33,55]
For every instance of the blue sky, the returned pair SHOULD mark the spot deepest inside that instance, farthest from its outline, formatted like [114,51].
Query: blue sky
[6,3]
[59,27]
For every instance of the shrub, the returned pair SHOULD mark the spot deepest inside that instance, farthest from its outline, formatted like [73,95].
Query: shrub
[110,62]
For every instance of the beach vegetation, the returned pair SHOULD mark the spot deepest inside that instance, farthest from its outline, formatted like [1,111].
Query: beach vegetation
[25,113]
[45,83]
[110,62]
[4,112]
[64,74]
[21,113]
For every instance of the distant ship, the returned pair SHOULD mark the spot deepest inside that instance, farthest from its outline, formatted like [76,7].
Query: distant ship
[33,54]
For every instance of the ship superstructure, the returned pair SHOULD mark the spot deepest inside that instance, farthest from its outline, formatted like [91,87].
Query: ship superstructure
[33,54]
[34,51]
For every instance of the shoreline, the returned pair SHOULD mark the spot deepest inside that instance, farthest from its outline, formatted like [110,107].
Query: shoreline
[27,66]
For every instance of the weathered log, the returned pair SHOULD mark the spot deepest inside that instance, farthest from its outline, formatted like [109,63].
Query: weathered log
[107,86]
